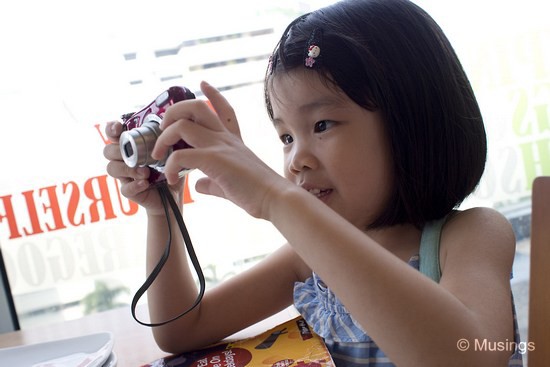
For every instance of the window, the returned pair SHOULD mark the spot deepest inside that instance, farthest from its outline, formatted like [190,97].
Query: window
[68,237]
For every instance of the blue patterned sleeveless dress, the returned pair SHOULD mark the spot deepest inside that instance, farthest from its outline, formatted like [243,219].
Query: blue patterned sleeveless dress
[348,344]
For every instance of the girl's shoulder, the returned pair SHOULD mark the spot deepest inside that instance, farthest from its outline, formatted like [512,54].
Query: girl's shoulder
[477,221]
[477,234]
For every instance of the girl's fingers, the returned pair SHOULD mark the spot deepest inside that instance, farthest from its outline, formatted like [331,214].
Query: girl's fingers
[207,186]
[112,152]
[133,188]
[170,136]
[195,134]
[120,170]
[194,110]
[172,168]
[207,148]
[225,111]
[134,180]
[194,121]
[216,114]
[113,131]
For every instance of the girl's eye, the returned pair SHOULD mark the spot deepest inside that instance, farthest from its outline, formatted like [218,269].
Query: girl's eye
[286,139]
[321,126]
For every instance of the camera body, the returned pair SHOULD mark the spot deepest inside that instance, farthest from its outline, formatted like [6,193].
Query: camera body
[142,129]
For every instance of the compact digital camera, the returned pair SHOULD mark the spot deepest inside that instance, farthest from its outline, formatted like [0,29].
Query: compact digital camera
[142,129]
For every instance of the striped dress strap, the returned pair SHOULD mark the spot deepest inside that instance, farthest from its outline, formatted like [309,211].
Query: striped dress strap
[429,249]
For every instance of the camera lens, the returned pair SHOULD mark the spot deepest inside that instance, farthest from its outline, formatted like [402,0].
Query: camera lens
[136,145]
[128,151]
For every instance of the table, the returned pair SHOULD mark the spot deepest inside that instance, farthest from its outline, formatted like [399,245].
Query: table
[134,344]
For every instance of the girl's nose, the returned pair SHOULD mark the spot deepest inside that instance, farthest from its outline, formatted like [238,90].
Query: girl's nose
[301,158]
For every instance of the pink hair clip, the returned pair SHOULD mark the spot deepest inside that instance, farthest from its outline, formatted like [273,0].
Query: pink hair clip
[313,52]
[313,48]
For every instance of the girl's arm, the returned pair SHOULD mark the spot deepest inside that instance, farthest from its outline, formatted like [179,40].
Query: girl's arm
[229,307]
[414,320]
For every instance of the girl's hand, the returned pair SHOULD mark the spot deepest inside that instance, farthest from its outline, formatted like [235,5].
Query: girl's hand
[233,171]
[134,183]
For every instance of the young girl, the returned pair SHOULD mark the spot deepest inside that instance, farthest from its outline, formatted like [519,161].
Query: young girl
[382,140]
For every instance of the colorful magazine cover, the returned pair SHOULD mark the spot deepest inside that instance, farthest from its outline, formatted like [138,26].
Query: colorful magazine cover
[290,344]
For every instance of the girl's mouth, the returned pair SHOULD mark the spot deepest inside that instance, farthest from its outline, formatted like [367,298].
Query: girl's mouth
[320,193]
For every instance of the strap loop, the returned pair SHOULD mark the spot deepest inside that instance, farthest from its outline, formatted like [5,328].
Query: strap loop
[167,199]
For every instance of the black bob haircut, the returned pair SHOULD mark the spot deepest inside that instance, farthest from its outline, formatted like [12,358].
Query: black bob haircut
[391,56]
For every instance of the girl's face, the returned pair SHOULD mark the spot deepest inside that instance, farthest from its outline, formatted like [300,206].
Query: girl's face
[333,148]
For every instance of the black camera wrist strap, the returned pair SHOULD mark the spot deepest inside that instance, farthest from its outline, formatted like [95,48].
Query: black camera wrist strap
[168,202]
